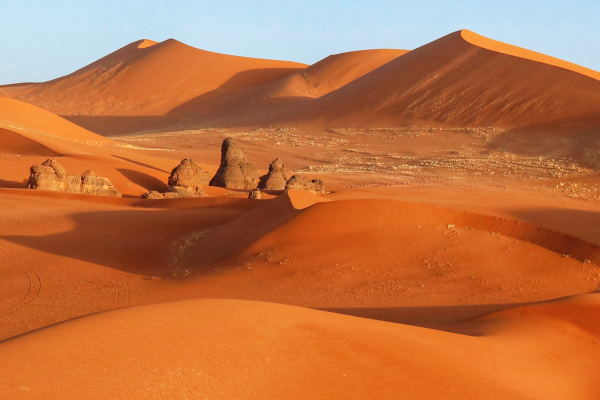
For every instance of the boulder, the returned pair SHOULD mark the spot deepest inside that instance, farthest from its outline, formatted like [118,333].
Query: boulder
[255,194]
[300,182]
[235,172]
[186,180]
[181,191]
[50,175]
[153,195]
[189,174]
[96,185]
[276,178]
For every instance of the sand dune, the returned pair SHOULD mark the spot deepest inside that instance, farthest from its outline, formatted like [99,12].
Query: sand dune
[227,349]
[296,249]
[452,81]
[465,80]
[139,80]
[333,72]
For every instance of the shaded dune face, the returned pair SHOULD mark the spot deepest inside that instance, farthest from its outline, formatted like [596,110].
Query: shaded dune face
[131,83]
[12,142]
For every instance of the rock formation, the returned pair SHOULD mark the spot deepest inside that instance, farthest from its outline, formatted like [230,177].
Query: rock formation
[235,172]
[96,185]
[189,174]
[255,194]
[186,180]
[300,182]
[276,178]
[50,175]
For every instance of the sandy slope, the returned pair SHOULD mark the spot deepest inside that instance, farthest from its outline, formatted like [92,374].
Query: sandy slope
[460,80]
[465,80]
[67,256]
[333,72]
[28,135]
[146,79]
[226,349]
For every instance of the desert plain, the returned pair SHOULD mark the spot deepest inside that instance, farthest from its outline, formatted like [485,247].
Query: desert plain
[454,252]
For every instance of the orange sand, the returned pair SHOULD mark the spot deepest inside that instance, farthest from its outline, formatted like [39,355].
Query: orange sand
[441,264]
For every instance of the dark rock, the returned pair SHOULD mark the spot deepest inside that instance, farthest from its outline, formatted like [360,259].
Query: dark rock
[300,182]
[276,178]
[235,172]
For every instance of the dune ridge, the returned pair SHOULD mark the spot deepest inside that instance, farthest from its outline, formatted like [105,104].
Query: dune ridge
[274,351]
[450,82]
[505,48]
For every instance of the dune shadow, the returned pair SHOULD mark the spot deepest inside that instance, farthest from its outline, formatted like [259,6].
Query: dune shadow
[13,184]
[551,142]
[141,164]
[444,318]
[145,242]
[146,181]
[584,224]
[231,105]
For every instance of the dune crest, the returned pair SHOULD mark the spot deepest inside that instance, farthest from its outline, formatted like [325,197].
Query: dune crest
[144,43]
[500,47]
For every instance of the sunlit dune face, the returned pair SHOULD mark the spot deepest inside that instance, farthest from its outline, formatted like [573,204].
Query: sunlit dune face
[146,43]
[494,45]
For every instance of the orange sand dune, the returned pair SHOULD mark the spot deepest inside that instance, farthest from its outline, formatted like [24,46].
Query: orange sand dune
[333,72]
[465,80]
[82,254]
[226,349]
[147,80]
[462,79]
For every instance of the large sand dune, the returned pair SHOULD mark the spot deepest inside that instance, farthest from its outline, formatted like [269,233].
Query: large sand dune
[460,80]
[146,79]
[466,80]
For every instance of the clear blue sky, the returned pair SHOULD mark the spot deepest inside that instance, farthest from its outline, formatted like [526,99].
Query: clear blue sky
[43,39]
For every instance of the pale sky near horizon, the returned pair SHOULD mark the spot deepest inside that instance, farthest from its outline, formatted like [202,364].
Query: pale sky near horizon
[43,39]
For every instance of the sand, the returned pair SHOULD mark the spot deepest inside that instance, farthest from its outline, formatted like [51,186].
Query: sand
[456,253]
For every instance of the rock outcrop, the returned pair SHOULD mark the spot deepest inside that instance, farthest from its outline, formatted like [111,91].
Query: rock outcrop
[235,172]
[186,180]
[189,174]
[97,185]
[255,194]
[50,175]
[276,178]
[300,182]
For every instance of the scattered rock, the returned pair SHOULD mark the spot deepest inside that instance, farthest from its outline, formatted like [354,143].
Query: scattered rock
[300,182]
[235,172]
[276,178]
[152,195]
[50,175]
[186,180]
[255,194]
[182,191]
